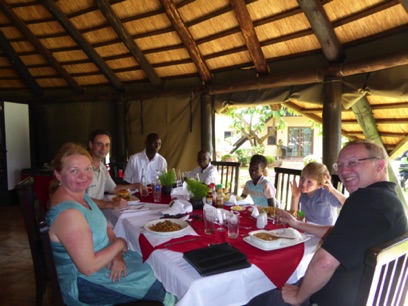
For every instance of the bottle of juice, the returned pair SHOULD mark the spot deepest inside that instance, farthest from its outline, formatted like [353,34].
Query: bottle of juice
[220,196]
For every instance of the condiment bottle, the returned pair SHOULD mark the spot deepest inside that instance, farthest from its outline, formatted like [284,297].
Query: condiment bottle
[220,196]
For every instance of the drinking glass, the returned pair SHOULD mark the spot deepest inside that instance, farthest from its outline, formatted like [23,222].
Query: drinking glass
[233,224]
[220,219]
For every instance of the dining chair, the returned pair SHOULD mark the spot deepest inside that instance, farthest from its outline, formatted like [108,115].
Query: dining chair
[31,211]
[53,276]
[229,174]
[385,278]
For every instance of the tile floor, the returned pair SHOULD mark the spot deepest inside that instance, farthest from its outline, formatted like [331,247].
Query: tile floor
[17,281]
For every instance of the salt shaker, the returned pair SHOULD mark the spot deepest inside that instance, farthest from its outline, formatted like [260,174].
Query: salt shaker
[261,221]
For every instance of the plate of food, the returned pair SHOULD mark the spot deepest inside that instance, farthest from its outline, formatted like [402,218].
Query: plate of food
[237,208]
[275,239]
[125,194]
[166,226]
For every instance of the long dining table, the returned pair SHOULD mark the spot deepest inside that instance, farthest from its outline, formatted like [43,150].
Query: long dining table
[268,270]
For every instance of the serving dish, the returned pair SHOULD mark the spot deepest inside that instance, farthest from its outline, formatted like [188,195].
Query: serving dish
[184,225]
[133,200]
[289,237]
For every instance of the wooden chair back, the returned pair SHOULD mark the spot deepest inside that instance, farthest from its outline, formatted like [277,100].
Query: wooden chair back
[31,211]
[283,177]
[229,174]
[50,265]
[385,279]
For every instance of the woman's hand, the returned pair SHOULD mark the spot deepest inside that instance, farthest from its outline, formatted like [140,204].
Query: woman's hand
[117,266]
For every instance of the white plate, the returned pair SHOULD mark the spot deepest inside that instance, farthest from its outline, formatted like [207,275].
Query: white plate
[182,223]
[241,202]
[276,244]
[133,199]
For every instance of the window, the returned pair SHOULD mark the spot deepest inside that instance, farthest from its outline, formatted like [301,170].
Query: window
[227,134]
[272,137]
[300,141]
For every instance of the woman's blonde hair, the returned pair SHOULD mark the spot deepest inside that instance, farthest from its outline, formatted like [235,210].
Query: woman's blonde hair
[317,171]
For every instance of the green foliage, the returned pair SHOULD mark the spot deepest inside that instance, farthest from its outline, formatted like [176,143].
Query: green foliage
[168,178]
[270,159]
[227,157]
[196,189]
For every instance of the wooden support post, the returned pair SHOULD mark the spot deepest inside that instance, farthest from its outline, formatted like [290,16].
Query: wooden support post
[206,123]
[331,121]
[120,131]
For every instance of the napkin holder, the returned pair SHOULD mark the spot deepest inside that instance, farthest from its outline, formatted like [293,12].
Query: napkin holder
[216,258]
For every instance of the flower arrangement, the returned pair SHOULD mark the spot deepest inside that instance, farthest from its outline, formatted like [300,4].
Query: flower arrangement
[168,179]
[196,189]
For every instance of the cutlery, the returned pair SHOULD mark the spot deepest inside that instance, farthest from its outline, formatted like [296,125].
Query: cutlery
[177,242]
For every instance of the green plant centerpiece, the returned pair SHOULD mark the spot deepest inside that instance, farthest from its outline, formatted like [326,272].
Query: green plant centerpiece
[167,180]
[197,191]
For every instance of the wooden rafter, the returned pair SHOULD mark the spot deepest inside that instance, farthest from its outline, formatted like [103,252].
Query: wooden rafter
[251,39]
[126,38]
[19,66]
[80,40]
[187,39]
[323,29]
[22,27]
[404,3]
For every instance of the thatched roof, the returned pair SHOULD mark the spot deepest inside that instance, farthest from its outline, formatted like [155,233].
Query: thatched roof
[61,50]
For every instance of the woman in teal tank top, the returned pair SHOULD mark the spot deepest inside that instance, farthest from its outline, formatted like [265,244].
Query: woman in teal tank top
[94,267]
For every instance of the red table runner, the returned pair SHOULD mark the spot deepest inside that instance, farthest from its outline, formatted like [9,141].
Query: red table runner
[278,265]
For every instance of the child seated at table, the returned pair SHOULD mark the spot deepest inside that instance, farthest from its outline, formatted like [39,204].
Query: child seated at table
[259,188]
[319,200]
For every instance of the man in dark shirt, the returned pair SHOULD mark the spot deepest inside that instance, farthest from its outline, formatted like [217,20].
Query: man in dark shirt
[371,215]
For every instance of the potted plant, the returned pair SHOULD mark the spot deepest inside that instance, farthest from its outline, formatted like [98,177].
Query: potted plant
[167,180]
[197,192]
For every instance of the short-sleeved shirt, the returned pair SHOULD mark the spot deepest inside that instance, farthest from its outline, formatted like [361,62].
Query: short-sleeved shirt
[261,192]
[321,208]
[139,161]
[102,182]
[370,216]
[208,175]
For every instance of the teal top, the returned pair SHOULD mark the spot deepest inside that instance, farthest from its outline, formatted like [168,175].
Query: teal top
[138,282]
[261,192]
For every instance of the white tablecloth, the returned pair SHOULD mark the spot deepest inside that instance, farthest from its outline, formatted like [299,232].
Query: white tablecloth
[182,280]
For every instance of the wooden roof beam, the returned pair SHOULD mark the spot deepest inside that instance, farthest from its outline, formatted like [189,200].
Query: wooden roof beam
[83,44]
[187,39]
[22,27]
[404,3]
[19,66]
[323,29]
[127,39]
[251,39]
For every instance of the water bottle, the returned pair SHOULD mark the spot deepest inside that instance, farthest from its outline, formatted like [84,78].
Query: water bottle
[157,191]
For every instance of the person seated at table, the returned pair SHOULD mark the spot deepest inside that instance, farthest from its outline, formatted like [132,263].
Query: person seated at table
[259,188]
[371,215]
[94,267]
[206,171]
[319,200]
[99,146]
[147,162]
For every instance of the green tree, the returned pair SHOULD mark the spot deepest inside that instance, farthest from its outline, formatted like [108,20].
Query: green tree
[251,122]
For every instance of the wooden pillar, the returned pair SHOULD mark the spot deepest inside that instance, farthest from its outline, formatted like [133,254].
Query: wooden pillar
[206,124]
[120,137]
[331,120]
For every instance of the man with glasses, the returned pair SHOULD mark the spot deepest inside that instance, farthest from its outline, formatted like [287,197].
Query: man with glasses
[371,215]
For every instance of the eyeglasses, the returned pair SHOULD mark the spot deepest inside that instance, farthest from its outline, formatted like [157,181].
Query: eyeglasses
[352,163]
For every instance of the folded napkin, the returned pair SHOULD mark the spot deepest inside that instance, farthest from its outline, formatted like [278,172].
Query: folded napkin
[180,192]
[217,258]
[178,206]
